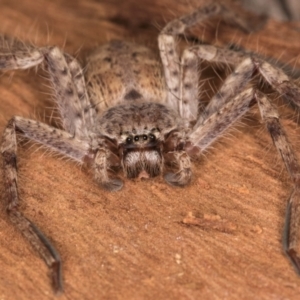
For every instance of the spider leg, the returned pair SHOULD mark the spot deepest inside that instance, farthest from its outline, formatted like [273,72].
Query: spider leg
[189,88]
[278,80]
[87,109]
[57,140]
[233,84]
[203,135]
[179,91]
[291,237]
[212,127]
[63,70]
[66,77]
[14,55]
[246,67]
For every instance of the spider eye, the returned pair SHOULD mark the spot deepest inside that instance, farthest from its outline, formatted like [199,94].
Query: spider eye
[128,140]
[136,138]
[145,137]
[152,137]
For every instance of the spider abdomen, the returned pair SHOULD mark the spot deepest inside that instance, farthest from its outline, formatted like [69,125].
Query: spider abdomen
[122,72]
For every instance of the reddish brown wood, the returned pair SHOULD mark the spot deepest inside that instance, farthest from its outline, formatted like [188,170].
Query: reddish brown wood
[133,244]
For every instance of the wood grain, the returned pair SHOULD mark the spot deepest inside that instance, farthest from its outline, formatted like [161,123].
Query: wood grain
[133,244]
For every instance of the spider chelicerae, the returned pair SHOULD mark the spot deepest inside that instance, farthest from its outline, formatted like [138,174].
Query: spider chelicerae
[131,111]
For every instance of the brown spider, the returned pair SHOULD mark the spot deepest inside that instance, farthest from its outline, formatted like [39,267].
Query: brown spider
[133,113]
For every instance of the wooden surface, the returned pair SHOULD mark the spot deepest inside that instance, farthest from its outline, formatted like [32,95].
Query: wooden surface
[133,244]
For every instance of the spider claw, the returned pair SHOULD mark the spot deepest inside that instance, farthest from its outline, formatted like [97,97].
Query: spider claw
[113,185]
[56,276]
[290,240]
[295,259]
[179,179]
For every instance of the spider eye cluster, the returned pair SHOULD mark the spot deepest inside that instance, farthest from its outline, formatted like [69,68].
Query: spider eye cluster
[151,137]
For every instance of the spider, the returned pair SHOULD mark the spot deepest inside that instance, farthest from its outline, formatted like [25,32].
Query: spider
[132,112]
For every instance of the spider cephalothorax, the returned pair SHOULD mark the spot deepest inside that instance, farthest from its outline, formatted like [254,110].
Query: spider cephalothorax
[133,111]
[145,134]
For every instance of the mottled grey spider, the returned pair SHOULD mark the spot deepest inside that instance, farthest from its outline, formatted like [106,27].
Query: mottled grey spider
[133,113]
